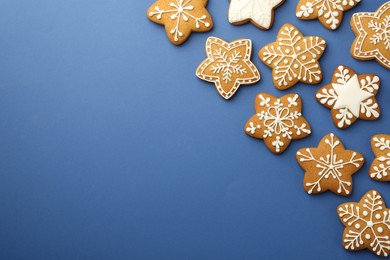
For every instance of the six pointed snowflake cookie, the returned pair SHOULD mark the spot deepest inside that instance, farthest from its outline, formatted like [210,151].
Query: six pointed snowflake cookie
[228,65]
[181,17]
[259,12]
[329,12]
[278,121]
[350,96]
[329,166]
[372,32]
[293,58]
[367,224]
[380,168]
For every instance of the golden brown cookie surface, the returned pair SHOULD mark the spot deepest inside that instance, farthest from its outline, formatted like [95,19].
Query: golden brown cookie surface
[228,65]
[277,121]
[350,96]
[293,58]
[329,166]
[181,17]
[372,32]
[380,168]
[367,224]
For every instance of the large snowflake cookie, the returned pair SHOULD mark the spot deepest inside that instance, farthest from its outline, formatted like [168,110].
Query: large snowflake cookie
[278,121]
[372,32]
[329,12]
[350,96]
[293,58]
[329,166]
[380,168]
[367,224]
[181,17]
[228,65]
[259,12]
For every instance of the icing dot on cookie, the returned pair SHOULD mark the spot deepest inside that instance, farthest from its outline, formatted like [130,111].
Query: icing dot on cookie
[365,213]
[378,216]
[367,236]
[303,57]
[380,229]
[357,225]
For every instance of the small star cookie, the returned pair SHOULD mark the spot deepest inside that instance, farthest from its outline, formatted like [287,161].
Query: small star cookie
[380,168]
[228,65]
[278,121]
[367,224]
[372,32]
[259,12]
[350,96]
[329,12]
[293,58]
[329,166]
[181,17]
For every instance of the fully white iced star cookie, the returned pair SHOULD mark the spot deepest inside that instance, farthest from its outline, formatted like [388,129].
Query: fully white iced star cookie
[259,12]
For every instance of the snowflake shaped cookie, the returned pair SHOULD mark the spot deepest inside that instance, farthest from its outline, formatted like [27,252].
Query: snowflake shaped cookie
[181,17]
[278,121]
[372,32]
[329,12]
[329,166]
[380,168]
[228,65]
[350,96]
[367,224]
[293,58]
[259,12]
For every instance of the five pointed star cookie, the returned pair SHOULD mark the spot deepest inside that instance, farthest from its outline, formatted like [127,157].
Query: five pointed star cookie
[367,224]
[380,168]
[278,121]
[228,65]
[259,12]
[181,17]
[329,166]
[372,32]
[329,12]
[293,58]
[350,96]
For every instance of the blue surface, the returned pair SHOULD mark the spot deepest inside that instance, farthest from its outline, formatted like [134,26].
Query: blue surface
[111,148]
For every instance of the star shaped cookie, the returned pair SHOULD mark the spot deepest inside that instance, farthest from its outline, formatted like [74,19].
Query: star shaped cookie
[259,12]
[350,96]
[181,17]
[367,224]
[329,12]
[228,65]
[372,32]
[380,168]
[278,121]
[329,166]
[293,58]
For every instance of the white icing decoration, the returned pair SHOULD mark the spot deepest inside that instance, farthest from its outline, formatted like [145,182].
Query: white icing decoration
[383,168]
[259,11]
[252,128]
[228,65]
[382,32]
[329,167]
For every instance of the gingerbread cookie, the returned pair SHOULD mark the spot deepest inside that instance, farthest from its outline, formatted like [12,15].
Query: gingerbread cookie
[372,32]
[380,168]
[367,224]
[293,58]
[329,166]
[330,13]
[259,12]
[350,96]
[228,65]
[278,121]
[181,17]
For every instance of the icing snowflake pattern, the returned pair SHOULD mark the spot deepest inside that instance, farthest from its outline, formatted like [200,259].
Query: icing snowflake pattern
[367,224]
[382,32]
[294,57]
[228,65]
[277,121]
[180,17]
[329,12]
[331,172]
[350,96]
[380,168]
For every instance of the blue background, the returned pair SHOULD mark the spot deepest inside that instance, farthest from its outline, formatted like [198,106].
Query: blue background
[111,148]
